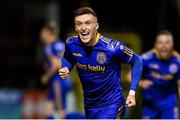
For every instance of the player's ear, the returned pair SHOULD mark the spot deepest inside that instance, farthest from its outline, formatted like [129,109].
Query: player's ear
[97,26]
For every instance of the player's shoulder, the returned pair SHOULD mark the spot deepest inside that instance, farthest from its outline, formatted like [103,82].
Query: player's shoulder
[176,56]
[111,44]
[57,45]
[73,39]
[148,55]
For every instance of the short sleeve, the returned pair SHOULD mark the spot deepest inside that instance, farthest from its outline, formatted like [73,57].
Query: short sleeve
[58,48]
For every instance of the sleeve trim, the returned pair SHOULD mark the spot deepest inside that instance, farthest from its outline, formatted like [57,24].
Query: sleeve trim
[130,58]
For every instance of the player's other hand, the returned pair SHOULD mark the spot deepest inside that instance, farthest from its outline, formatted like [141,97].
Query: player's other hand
[64,72]
[61,114]
[131,101]
[145,84]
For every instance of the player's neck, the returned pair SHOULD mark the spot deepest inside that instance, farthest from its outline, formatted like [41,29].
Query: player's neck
[94,40]
[51,39]
[164,57]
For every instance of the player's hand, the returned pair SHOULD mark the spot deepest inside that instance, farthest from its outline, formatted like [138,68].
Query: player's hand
[64,72]
[61,114]
[131,101]
[44,79]
[145,84]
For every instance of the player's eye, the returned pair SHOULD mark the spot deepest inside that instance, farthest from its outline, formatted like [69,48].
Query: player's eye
[88,23]
[78,24]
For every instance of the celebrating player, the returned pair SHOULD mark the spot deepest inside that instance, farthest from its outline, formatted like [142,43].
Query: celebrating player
[161,73]
[53,52]
[98,59]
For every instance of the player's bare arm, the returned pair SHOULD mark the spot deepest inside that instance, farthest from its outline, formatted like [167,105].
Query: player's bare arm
[55,66]
[179,88]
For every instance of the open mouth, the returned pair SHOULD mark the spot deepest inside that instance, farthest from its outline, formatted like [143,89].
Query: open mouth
[164,50]
[84,35]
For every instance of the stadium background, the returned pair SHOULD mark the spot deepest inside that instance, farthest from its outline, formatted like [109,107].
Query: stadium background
[133,22]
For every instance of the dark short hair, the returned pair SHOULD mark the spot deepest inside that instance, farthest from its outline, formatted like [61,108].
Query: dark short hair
[164,32]
[84,10]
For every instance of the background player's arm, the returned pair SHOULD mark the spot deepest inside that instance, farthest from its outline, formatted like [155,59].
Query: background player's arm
[178,79]
[55,65]
[143,83]
[179,88]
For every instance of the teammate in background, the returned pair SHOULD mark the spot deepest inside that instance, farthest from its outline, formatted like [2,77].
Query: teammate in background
[98,60]
[161,74]
[53,51]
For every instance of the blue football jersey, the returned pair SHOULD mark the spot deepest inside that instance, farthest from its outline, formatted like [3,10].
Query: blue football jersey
[53,49]
[163,73]
[98,67]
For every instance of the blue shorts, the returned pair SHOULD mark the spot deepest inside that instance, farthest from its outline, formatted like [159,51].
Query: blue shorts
[166,109]
[65,86]
[112,111]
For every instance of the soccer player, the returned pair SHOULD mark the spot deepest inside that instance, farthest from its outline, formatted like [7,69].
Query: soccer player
[53,52]
[98,59]
[161,73]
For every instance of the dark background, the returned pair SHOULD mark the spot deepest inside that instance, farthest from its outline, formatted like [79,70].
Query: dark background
[20,23]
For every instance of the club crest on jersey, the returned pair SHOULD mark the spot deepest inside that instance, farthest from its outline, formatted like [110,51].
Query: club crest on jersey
[173,68]
[101,58]
[121,47]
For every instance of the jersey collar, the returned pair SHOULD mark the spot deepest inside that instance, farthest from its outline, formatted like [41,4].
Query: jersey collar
[97,39]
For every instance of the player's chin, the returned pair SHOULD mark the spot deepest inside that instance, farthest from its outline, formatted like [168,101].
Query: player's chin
[85,41]
[164,55]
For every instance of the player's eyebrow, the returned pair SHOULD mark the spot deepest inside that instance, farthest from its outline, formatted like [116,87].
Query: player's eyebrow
[77,22]
[84,21]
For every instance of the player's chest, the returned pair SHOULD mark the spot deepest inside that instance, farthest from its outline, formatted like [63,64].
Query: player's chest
[92,60]
[162,70]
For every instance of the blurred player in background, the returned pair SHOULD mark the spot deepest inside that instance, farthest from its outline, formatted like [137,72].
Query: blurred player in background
[53,51]
[161,74]
[98,60]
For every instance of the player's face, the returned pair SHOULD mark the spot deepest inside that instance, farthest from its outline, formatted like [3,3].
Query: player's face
[86,26]
[44,35]
[164,45]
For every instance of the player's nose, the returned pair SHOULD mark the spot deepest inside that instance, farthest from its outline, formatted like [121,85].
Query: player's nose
[83,27]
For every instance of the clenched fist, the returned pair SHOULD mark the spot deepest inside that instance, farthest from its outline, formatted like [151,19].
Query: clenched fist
[130,102]
[64,72]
